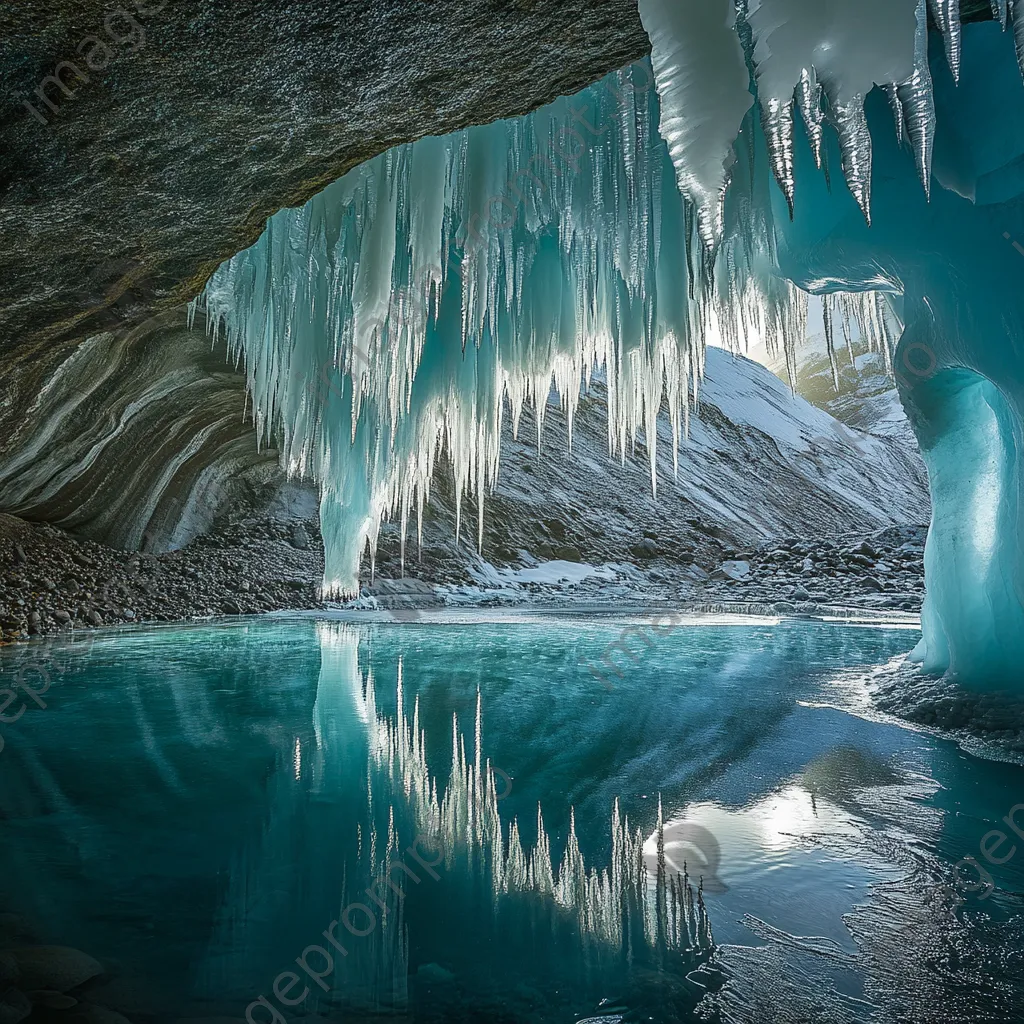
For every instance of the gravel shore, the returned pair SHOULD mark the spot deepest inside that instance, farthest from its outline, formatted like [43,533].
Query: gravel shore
[50,582]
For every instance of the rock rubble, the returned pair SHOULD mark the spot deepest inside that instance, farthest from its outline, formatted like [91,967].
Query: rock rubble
[51,582]
[882,571]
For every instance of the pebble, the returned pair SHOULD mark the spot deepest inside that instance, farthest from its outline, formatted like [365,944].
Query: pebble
[15,1006]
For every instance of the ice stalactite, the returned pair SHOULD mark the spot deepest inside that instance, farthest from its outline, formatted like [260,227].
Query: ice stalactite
[703,85]
[808,98]
[842,50]
[403,312]
[804,53]
[390,320]
[1018,31]
[947,16]
[917,103]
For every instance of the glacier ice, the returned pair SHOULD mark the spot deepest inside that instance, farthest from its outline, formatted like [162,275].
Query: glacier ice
[950,263]
[401,314]
[703,84]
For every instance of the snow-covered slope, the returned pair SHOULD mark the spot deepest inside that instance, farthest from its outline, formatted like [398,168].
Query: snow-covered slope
[866,398]
[759,464]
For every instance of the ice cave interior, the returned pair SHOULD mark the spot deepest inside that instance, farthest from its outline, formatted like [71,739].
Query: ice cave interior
[512,511]
[761,154]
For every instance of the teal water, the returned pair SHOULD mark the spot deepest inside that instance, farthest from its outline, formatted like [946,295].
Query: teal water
[196,806]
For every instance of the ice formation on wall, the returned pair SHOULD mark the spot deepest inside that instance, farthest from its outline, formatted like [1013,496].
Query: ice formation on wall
[391,318]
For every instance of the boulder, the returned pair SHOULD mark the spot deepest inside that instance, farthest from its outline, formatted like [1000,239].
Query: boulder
[53,968]
[645,548]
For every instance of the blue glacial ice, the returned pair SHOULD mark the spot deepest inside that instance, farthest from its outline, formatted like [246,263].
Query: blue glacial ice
[768,150]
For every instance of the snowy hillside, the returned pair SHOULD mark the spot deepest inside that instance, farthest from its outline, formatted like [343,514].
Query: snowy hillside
[759,465]
[867,397]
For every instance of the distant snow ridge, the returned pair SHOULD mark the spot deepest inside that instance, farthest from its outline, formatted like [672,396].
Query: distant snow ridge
[854,385]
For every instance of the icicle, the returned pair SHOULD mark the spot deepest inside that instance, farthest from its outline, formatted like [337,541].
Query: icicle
[777,119]
[855,143]
[827,311]
[808,95]
[918,103]
[892,95]
[947,17]
[384,325]
[702,81]
[1000,11]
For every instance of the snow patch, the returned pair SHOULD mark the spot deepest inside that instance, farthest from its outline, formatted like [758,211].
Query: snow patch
[557,571]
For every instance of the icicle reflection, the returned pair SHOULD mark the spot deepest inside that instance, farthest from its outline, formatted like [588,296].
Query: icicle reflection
[614,906]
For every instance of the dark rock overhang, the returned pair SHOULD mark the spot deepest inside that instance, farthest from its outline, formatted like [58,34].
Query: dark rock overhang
[177,128]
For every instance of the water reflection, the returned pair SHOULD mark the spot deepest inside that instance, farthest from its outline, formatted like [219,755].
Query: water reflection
[453,823]
[605,912]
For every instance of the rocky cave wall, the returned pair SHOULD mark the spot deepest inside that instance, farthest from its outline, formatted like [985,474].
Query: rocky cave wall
[132,438]
[123,187]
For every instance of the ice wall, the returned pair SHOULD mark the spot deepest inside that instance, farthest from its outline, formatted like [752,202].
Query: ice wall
[403,312]
[947,252]
[953,262]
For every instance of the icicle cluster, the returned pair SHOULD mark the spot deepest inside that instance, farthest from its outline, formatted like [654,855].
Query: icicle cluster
[822,57]
[393,317]
[404,311]
[875,321]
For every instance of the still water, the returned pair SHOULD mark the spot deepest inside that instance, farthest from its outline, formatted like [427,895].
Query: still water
[513,820]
